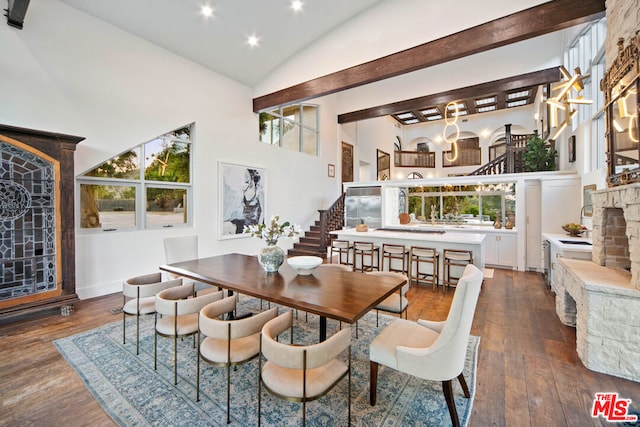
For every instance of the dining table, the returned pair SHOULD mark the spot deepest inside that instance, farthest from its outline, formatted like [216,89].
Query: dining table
[330,293]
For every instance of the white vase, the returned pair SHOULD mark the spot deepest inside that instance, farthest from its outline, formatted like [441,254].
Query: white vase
[271,257]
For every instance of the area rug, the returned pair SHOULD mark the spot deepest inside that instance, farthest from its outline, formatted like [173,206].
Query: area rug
[134,394]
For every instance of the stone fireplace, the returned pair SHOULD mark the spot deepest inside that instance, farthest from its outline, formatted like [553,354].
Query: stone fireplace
[601,298]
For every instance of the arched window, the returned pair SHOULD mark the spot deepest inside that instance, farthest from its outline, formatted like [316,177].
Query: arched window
[414,175]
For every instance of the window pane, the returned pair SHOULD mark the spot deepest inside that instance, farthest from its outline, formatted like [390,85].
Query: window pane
[166,206]
[310,116]
[124,166]
[167,160]
[107,206]
[309,141]
[291,136]
[269,129]
[292,112]
[491,206]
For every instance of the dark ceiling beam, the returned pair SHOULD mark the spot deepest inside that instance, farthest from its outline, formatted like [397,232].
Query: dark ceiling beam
[16,12]
[535,78]
[546,18]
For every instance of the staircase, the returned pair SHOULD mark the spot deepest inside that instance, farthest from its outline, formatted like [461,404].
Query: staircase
[510,162]
[315,241]
[309,244]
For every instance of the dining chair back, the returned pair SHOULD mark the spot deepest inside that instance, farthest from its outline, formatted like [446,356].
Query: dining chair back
[179,309]
[138,295]
[228,342]
[301,373]
[431,350]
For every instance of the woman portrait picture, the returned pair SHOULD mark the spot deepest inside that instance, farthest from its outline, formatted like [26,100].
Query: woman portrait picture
[243,194]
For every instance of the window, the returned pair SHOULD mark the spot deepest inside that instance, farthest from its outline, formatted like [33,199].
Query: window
[145,187]
[586,51]
[294,127]
[469,204]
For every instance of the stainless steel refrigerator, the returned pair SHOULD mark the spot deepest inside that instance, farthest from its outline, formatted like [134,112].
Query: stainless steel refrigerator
[363,204]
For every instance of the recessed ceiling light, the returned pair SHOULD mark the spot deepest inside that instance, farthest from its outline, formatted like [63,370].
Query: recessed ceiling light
[454,106]
[296,5]
[206,11]
[405,116]
[411,121]
[253,40]
[520,94]
[485,109]
[434,117]
[483,101]
[429,111]
[517,103]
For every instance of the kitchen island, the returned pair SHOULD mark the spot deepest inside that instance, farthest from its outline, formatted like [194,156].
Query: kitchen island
[438,239]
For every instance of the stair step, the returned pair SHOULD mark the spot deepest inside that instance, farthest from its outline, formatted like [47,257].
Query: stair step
[308,247]
[313,240]
[299,252]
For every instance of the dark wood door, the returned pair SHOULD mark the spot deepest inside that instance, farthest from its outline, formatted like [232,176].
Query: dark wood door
[347,162]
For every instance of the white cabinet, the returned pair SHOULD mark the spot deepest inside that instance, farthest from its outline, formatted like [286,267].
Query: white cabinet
[500,249]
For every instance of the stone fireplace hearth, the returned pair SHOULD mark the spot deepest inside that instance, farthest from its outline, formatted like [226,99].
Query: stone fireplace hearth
[601,298]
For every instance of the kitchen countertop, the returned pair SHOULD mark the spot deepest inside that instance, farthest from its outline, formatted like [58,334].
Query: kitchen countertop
[559,240]
[451,227]
[408,234]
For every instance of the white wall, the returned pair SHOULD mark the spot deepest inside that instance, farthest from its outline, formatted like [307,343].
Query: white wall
[68,72]
[388,27]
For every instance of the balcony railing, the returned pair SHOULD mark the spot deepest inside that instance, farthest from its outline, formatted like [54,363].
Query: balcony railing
[422,159]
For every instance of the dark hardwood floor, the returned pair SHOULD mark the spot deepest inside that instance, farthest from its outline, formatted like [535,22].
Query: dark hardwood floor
[528,369]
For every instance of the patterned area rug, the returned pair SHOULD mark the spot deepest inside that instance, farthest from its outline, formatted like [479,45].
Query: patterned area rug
[133,394]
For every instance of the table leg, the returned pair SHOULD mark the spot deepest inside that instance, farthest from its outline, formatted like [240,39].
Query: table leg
[323,328]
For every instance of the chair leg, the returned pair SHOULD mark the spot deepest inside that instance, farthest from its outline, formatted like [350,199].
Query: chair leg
[198,372]
[373,382]
[463,384]
[124,327]
[448,395]
[155,343]
[304,413]
[228,392]
[137,334]
[175,360]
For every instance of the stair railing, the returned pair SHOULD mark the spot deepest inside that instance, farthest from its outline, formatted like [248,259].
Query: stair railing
[330,220]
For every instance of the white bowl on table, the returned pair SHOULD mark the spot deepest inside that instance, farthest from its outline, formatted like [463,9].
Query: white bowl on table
[304,265]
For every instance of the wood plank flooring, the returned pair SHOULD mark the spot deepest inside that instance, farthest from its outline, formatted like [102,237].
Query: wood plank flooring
[528,369]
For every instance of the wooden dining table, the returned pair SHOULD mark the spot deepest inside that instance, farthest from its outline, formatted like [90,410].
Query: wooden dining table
[330,293]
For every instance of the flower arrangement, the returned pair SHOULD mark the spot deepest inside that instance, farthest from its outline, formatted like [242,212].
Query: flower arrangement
[574,229]
[272,231]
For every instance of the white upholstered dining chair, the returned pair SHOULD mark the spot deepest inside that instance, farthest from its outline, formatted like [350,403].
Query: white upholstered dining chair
[301,373]
[179,310]
[138,295]
[431,350]
[179,249]
[228,342]
[397,302]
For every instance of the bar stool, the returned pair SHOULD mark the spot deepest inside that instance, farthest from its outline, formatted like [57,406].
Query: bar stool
[454,258]
[419,255]
[394,252]
[342,248]
[362,250]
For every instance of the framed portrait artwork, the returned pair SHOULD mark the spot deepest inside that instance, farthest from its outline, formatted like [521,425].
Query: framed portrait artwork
[242,198]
